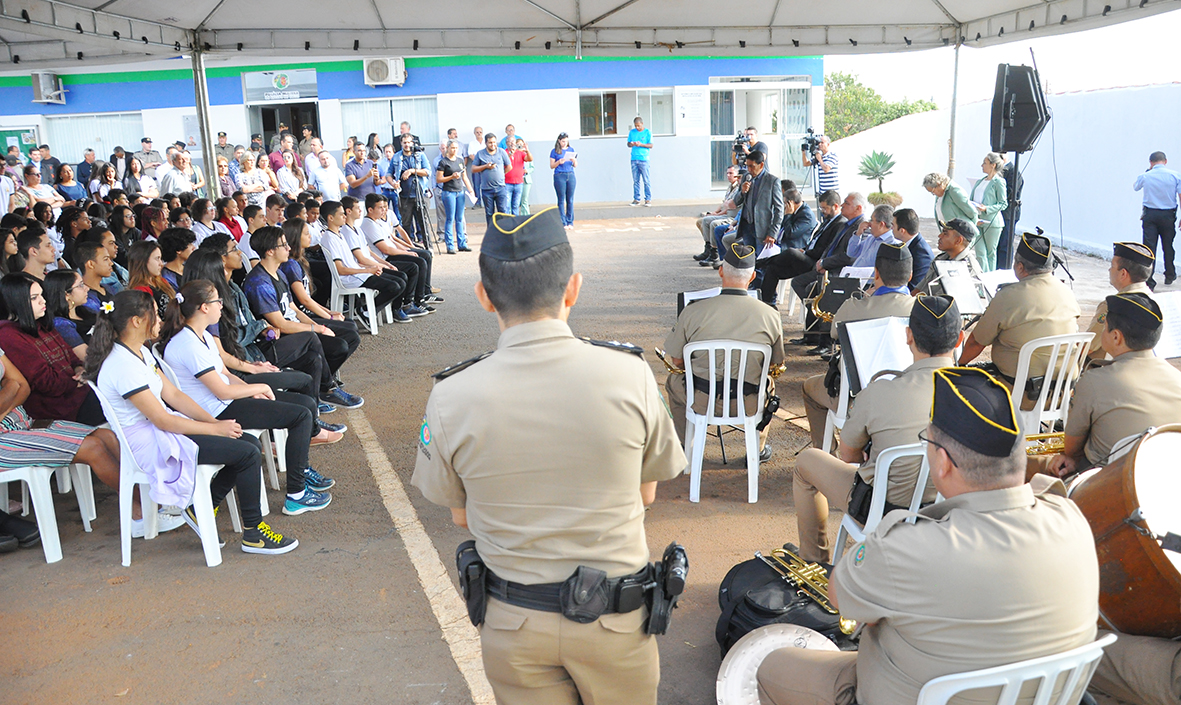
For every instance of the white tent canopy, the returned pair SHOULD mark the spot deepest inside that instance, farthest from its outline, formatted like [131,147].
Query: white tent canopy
[52,34]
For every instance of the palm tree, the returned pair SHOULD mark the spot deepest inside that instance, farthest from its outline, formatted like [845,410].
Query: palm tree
[877,165]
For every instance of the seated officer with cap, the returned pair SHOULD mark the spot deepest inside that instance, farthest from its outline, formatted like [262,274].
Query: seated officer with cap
[1131,266]
[891,297]
[1036,306]
[998,572]
[547,449]
[731,315]
[1136,391]
[887,413]
[953,244]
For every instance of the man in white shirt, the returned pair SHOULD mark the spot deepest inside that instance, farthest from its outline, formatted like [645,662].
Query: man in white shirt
[174,179]
[352,273]
[329,179]
[476,178]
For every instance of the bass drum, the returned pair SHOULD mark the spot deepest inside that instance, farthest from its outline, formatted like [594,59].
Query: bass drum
[1128,503]
[737,684]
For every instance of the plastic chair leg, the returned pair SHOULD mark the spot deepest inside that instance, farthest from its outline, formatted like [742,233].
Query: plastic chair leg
[232,507]
[84,490]
[24,500]
[63,480]
[374,314]
[829,432]
[270,440]
[695,461]
[126,487]
[280,435]
[151,513]
[752,461]
[206,522]
[46,518]
[4,496]
[263,505]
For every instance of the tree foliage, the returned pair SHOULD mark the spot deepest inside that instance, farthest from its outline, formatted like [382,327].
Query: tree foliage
[850,107]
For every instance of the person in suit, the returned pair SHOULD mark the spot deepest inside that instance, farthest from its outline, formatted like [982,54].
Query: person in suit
[792,261]
[120,160]
[951,201]
[989,192]
[798,220]
[833,259]
[906,229]
[761,200]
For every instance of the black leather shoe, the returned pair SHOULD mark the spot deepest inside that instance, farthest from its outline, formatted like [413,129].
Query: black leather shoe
[707,253]
[765,453]
[819,350]
[25,531]
[1169,280]
[707,262]
[8,544]
[827,356]
[797,341]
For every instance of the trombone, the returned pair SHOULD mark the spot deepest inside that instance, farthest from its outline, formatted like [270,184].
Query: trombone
[808,578]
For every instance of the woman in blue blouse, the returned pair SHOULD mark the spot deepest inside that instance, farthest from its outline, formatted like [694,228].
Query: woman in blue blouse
[562,160]
[65,292]
[71,190]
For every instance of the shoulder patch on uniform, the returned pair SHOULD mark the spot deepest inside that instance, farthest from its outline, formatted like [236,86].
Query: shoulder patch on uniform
[460,366]
[616,345]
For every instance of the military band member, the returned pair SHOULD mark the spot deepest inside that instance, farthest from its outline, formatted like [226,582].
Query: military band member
[887,413]
[1131,266]
[891,297]
[547,450]
[953,247]
[1135,392]
[731,315]
[1036,306]
[998,572]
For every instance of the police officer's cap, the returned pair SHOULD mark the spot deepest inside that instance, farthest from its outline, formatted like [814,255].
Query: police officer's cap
[1137,308]
[973,408]
[960,226]
[516,237]
[740,256]
[1135,252]
[221,134]
[892,253]
[256,136]
[1035,248]
[929,311]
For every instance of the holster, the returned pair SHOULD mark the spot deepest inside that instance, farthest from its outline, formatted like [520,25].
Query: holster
[860,499]
[473,576]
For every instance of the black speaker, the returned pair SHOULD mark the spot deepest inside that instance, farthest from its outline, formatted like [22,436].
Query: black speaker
[1018,109]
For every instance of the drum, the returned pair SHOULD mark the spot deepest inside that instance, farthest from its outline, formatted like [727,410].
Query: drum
[1129,503]
[737,678]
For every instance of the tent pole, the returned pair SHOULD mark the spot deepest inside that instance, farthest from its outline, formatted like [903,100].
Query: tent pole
[955,89]
[201,100]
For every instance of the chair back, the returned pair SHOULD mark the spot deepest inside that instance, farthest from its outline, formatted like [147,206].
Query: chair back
[728,360]
[686,297]
[128,465]
[165,367]
[881,481]
[995,279]
[1072,669]
[1065,363]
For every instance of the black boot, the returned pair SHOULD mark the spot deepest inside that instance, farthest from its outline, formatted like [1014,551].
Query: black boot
[707,253]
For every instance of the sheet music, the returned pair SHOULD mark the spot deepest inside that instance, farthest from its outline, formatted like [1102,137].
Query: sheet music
[858,272]
[768,251]
[997,278]
[1170,339]
[955,280]
[878,344]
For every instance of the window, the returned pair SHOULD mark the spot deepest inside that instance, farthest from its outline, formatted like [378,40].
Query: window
[608,113]
[597,114]
[655,106]
[68,136]
[360,117]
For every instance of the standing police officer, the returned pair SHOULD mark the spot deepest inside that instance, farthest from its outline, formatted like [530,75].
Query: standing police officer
[547,449]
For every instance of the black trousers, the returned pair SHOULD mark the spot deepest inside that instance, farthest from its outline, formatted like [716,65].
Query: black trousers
[91,411]
[320,276]
[411,218]
[301,390]
[788,264]
[420,282]
[300,351]
[241,459]
[260,414]
[389,286]
[1160,224]
[342,344]
[428,259]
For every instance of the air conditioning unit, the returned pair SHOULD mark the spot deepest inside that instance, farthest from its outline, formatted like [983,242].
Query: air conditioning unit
[385,72]
[47,88]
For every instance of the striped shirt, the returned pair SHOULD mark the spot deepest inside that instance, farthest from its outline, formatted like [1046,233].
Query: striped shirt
[829,180]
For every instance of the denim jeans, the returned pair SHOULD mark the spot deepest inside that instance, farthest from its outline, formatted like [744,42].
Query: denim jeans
[564,183]
[640,171]
[514,197]
[495,201]
[477,179]
[453,204]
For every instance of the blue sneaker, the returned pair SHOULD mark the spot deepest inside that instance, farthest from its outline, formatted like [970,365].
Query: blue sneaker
[316,481]
[326,408]
[413,311]
[340,397]
[311,501]
[400,316]
[334,427]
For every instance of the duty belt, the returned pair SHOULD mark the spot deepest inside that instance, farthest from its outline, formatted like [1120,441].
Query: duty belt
[748,388]
[545,597]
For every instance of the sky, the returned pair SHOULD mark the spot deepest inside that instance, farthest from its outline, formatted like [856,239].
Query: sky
[1109,57]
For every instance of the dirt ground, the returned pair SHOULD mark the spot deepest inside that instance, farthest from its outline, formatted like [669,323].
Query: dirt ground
[344,618]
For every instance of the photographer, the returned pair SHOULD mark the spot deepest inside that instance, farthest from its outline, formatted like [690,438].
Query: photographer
[748,147]
[826,162]
[410,168]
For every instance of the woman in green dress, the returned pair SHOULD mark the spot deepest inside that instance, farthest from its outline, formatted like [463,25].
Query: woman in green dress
[989,199]
[951,201]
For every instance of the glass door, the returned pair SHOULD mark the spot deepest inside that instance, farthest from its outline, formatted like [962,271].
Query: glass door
[792,124]
[722,130]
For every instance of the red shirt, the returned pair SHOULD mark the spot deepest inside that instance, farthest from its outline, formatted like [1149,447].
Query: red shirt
[516,175]
[234,228]
[47,361]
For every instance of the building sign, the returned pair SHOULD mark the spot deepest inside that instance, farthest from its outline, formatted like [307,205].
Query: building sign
[279,86]
[692,111]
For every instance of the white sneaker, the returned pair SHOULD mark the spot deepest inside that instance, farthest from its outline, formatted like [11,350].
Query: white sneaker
[164,522]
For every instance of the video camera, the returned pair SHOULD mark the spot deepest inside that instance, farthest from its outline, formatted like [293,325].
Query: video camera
[811,144]
[740,144]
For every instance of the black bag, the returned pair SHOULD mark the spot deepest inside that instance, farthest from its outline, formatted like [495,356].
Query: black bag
[753,595]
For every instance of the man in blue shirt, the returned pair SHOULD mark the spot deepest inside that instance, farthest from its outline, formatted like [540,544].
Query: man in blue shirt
[640,141]
[1161,187]
[864,248]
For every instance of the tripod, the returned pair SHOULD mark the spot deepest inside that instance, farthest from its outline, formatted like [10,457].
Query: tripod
[429,237]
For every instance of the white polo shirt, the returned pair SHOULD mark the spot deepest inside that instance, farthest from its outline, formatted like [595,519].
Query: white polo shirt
[192,357]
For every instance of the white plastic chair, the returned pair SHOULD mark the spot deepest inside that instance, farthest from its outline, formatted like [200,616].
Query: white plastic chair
[130,475]
[1067,353]
[36,479]
[1072,668]
[340,293]
[877,503]
[689,296]
[721,400]
[64,486]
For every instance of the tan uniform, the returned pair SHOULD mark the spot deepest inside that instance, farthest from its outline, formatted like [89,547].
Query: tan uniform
[889,412]
[545,443]
[1138,670]
[1099,322]
[981,580]
[967,255]
[1110,403]
[817,402]
[1032,308]
[731,315]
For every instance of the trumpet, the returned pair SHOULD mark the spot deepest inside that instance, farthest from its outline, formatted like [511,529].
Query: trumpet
[777,370]
[668,365]
[1045,443]
[809,578]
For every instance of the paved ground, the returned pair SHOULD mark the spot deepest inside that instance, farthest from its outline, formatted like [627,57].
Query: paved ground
[344,618]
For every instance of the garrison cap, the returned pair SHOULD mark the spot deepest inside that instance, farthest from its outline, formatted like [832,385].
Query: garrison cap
[1135,252]
[892,253]
[1138,308]
[1035,248]
[513,238]
[740,255]
[961,226]
[973,408]
[928,311]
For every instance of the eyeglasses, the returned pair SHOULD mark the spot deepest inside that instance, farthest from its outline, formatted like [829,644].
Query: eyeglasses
[79,285]
[215,301]
[923,437]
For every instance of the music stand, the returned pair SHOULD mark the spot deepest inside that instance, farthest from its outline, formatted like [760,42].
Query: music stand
[872,346]
[955,280]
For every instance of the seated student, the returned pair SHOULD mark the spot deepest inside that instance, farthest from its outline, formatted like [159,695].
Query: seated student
[41,354]
[270,299]
[906,229]
[229,219]
[407,271]
[1136,391]
[301,351]
[146,268]
[190,350]
[34,245]
[352,273]
[169,445]
[274,206]
[255,218]
[888,413]
[389,241]
[95,262]
[1131,266]
[65,294]
[117,280]
[204,219]
[176,244]
[296,270]
[180,218]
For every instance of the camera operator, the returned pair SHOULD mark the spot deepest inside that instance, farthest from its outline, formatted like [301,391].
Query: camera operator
[749,147]
[410,168]
[826,162]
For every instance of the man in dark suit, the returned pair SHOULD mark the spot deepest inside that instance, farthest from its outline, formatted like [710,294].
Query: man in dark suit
[119,160]
[761,200]
[833,259]
[906,229]
[798,220]
[794,261]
